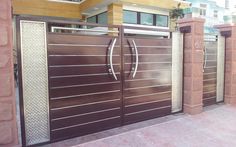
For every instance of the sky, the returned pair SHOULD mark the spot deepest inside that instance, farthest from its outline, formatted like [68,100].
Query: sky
[220,2]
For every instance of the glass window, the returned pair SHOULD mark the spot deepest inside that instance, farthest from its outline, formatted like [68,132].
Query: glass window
[130,17]
[215,13]
[102,18]
[91,19]
[146,19]
[162,20]
[203,8]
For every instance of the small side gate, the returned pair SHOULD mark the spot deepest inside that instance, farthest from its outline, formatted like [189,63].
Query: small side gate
[76,81]
[213,70]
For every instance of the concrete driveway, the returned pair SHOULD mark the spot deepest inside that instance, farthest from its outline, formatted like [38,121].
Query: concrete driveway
[215,127]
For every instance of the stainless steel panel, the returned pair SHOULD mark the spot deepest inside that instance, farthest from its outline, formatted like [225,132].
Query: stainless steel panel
[35,81]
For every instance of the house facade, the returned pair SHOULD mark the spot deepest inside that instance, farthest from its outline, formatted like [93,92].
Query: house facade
[144,13]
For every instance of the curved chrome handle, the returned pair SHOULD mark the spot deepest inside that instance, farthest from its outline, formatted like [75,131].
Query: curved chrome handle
[111,69]
[136,59]
[205,58]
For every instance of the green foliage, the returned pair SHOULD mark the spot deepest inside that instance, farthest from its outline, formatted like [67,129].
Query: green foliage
[177,13]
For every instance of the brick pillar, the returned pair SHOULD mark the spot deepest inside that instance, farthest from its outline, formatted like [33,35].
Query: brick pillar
[8,130]
[193,63]
[229,31]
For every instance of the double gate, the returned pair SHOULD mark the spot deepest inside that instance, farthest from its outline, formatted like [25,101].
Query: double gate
[81,81]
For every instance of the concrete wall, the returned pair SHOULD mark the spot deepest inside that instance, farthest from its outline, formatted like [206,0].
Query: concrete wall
[8,130]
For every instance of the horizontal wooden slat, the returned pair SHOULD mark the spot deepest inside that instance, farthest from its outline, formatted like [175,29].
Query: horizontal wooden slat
[93,79]
[211,63]
[147,115]
[162,58]
[147,98]
[73,60]
[211,44]
[76,110]
[209,87]
[146,106]
[143,83]
[85,129]
[80,100]
[209,76]
[81,50]
[164,75]
[210,57]
[210,70]
[156,66]
[209,94]
[80,70]
[208,102]
[83,90]
[149,50]
[76,39]
[209,82]
[133,92]
[149,41]
[55,124]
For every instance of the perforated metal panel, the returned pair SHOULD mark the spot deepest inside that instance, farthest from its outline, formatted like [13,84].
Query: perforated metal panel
[35,81]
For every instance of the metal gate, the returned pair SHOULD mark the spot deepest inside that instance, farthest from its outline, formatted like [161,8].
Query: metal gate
[213,70]
[147,77]
[81,80]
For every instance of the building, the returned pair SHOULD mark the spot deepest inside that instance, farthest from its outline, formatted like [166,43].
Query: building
[210,11]
[152,13]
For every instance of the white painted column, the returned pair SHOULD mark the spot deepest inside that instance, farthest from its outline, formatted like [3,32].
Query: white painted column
[177,71]
[220,68]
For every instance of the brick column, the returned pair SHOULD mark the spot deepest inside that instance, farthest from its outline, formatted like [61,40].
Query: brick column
[8,130]
[229,31]
[193,63]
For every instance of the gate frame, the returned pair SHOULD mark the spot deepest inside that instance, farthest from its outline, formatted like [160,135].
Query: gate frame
[50,20]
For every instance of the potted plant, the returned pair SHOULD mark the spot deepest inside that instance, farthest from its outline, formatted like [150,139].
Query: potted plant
[176,14]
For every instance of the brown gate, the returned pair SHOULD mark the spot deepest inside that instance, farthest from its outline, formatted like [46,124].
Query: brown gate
[98,78]
[210,70]
[84,96]
[147,75]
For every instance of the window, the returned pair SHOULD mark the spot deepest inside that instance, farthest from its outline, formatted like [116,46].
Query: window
[215,13]
[162,20]
[130,17]
[92,19]
[146,19]
[102,18]
[203,8]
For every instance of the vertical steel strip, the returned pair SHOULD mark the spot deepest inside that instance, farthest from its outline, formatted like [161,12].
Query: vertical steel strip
[35,81]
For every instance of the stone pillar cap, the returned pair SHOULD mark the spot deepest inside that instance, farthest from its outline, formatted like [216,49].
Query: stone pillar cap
[222,26]
[193,19]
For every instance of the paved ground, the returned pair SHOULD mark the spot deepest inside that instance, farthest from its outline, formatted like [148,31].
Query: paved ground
[215,127]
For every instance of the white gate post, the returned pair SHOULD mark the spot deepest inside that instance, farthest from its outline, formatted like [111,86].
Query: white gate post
[177,71]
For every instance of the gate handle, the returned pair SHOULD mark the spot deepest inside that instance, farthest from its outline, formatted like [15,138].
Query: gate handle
[136,59]
[205,58]
[110,52]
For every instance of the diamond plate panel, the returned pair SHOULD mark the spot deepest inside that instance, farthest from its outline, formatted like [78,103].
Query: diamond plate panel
[35,81]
